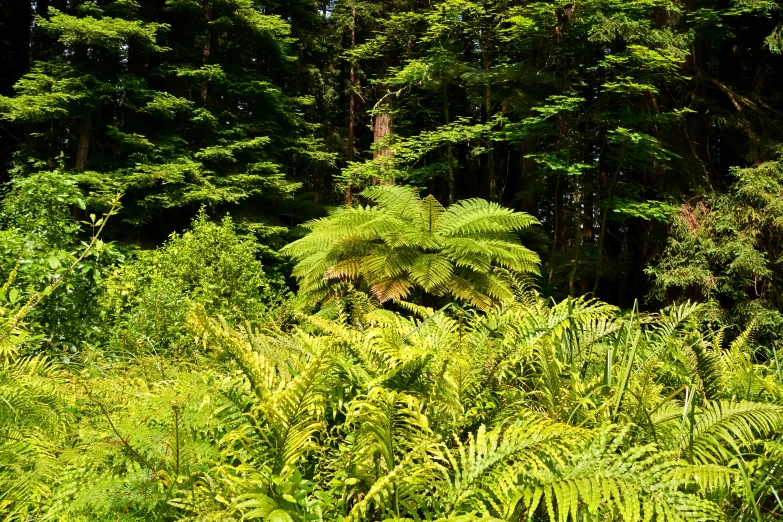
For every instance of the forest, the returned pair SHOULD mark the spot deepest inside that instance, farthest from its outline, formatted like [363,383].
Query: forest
[391,260]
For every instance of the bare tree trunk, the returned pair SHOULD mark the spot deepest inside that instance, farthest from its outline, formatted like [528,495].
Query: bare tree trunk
[526,167]
[577,237]
[487,48]
[559,216]
[83,150]
[559,229]
[206,49]
[449,150]
[382,130]
[492,182]
[355,86]
[608,190]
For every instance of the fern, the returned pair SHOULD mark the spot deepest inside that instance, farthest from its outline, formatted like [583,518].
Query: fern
[406,242]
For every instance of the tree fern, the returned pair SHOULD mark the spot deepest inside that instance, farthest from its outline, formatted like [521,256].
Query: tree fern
[406,242]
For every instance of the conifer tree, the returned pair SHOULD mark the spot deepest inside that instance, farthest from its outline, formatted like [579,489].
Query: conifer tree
[173,104]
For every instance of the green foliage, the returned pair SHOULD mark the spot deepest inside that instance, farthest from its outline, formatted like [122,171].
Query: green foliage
[541,411]
[41,240]
[174,115]
[211,264]
[405,242]
[425,379]
[727,248]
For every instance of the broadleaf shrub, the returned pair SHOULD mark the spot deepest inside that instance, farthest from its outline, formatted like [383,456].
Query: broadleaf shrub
[210,264]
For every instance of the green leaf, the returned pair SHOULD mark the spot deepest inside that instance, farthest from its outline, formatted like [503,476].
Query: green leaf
[279,515]
[261,506]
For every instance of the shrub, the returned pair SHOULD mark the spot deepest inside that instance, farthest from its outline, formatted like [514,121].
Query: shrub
[211,264]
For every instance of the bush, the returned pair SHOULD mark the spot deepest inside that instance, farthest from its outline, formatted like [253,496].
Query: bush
[211,265]
[40,240]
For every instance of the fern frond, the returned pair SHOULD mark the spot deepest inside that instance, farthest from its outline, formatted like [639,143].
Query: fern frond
[723,428]
[486,468]
[296,414]
[478,216]
[638,483]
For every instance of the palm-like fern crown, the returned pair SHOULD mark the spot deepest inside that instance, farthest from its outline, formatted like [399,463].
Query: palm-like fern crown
[405,242]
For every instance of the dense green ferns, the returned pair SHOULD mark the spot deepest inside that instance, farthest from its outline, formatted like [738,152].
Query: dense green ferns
[530,411]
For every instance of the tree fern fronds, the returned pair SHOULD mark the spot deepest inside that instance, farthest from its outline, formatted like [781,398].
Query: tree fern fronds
[410,376]
[708,370]
[339,332]
[263,375]
[399,490]
[673,318]
[392,289]
[404,243]
[525,294]
[28,472]
[709,477]
[431,272]
[420,311]
[477,216]
[399,199]
[296,414]
[742,342]
[28,394]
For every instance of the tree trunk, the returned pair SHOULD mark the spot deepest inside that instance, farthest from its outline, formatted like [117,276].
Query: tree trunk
[559,216]
[490,178]
[350,153]
[449,151]
[526,166]
[83,150]
[206,49]
[382,130]
[588,216]
[577,238]
[492,181]
[559,228]
[607,189]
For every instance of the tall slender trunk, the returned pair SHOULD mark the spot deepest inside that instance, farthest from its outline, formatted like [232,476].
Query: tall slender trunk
[382,129]
[526,166]
[559,228]
[588,216]
[449,150]
[355,86]
[206,49]
[490,175]
[609,189]
[577,237]
[83,147]
[559,215]
[588,225]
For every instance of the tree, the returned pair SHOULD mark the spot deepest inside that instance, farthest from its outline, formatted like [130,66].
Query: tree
[726,249]
[405,242]
[175,107]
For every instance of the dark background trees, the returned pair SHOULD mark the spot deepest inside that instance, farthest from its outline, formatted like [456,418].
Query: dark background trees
[609,121]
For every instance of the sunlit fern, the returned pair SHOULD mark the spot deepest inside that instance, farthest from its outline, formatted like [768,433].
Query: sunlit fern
[404,243]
